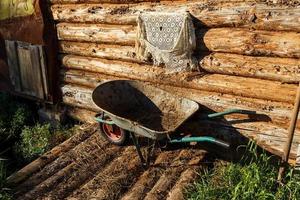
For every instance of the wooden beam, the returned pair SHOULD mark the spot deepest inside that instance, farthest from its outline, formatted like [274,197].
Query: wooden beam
[225,13]
[237,40]
[97,33]
[243,41]
[278,69]
[112,52]
[240,86]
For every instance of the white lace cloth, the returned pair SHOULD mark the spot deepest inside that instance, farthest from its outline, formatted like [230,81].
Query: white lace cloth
[167,38]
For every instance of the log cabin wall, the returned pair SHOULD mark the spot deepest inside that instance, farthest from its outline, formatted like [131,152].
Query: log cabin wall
[249,51]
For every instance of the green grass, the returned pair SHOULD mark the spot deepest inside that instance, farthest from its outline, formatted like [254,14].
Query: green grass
[14,115]
[255,177]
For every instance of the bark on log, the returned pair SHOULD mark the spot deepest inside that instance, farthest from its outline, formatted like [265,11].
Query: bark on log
[240,41]
[114,52]
[243,41]
[278,112]
[268,135]
[97,33]
[278,69]
[246,87]
[234,13]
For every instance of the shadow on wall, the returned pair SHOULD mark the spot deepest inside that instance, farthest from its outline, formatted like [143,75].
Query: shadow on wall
[4,73]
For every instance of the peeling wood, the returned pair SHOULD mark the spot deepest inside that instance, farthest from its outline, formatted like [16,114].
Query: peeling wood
[230,40]
[113,52]
[249,14]
[243,41]
[97,33]
[277,69]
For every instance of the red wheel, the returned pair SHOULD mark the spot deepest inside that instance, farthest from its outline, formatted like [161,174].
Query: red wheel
[113,133]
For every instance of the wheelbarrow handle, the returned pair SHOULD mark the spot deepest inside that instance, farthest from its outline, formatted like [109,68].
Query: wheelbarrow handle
[226,112]
[201,139]
[100,118]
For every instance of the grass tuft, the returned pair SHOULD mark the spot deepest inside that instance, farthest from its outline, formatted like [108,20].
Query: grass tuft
[255,177]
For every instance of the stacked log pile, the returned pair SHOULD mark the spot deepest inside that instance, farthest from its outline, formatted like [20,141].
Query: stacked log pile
[248,51]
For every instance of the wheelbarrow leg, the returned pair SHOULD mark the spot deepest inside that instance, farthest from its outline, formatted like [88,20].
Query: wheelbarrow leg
[138,149]
[150,151]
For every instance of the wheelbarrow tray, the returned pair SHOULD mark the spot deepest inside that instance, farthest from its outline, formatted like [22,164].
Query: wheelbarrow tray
[142,108]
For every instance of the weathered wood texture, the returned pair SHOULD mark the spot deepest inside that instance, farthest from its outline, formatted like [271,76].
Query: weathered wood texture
[113,52]
[266,133]
[253,88]
[246,48]
[237,40]
[243,41]
[97,33]
[278,69]
[250,14]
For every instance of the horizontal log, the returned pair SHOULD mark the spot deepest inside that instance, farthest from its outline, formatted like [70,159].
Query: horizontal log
[240,86]
[270,136]
[97,33]
[48,157]
[243,41]
[114,52]
[277,112]
[240,41]
[230,13]
[83,115]
[278,69]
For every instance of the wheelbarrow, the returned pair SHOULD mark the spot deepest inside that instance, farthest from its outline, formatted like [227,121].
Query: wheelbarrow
[133,108]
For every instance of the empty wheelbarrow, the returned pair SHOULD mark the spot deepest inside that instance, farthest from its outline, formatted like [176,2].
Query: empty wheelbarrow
[137,108]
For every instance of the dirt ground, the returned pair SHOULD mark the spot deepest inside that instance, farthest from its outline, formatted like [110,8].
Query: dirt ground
[95,169]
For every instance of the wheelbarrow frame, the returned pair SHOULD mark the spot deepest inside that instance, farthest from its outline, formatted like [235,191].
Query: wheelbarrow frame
[140,129]
[164,135]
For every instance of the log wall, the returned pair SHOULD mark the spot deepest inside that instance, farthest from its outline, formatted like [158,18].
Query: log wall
[248,52]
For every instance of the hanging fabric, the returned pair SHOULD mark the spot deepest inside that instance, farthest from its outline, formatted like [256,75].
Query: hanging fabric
[167,38]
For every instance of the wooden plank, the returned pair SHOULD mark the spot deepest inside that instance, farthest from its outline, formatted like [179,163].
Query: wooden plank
[36,72]
[240,86]
[25,62]
[13,64]
[230,13]
[44,71]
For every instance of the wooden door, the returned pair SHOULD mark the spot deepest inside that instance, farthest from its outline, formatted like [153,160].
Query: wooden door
[27,69]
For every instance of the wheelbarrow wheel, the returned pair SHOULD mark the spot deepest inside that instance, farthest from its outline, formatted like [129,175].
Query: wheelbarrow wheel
[113,133]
